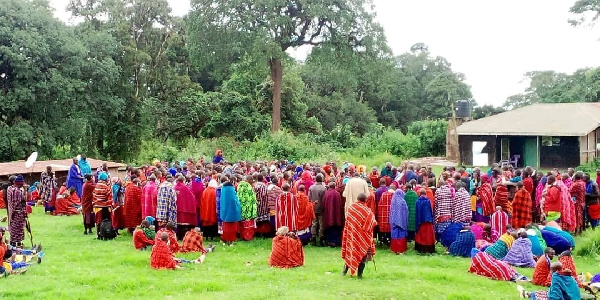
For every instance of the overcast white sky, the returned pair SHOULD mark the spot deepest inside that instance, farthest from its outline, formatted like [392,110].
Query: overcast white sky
[492,42]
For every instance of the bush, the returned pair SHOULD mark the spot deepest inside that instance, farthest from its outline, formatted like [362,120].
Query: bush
[432,136]
[589,243]
[590,167]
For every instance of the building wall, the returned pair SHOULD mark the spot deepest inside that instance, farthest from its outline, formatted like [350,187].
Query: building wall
[587,146]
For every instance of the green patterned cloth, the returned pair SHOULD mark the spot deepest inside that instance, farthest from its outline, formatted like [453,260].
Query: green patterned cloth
[247,198]
[149,232]
[498,250]
[411,202]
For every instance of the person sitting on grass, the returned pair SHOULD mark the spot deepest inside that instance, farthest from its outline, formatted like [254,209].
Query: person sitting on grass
[286,250]
[500,248]
[465,241]
[140,239]
[68,204]
[557,238]
[192,242]
[170,231]
[484,264]
[541,273]
[520,254]
[562,286]
[488,237]
[161,256]
[567,262]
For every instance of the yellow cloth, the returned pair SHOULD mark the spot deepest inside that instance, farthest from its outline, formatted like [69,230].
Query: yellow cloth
[508,239]
[473,203]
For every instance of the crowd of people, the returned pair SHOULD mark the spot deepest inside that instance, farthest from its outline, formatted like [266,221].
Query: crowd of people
[501,217]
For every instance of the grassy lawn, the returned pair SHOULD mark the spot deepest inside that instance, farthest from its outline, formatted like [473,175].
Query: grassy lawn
[78,266]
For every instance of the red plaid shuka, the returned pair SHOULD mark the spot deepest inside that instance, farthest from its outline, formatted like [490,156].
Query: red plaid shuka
[357,238]
[173,245]
[140,240]
[162,257]
[501,198]
[383,212]
[192,242]
[521,206]
[578,192]
[133,206]
[486,196]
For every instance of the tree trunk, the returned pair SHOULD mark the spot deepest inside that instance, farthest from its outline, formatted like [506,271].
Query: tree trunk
[277,77]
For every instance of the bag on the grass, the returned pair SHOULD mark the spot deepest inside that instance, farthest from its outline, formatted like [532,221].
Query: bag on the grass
[106,232]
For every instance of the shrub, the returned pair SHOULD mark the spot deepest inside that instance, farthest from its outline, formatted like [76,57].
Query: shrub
[589,243]
[432,136]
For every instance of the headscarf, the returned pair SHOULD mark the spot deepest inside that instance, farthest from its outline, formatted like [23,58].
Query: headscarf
[484,178]
[103,176]
[306,176]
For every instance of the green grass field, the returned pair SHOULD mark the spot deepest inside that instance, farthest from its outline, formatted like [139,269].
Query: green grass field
[80,267]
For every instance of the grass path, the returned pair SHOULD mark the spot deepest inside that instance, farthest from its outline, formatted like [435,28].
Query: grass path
[80,267]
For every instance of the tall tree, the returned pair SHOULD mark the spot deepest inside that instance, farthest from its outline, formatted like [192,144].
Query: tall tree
[221,31]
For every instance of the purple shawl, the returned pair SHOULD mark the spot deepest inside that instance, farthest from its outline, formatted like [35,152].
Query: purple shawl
[520,254]
[423,212]
[399,211]
[380,191]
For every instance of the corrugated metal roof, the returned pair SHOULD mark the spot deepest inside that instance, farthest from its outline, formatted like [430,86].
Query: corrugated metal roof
[549,119]
[18,167]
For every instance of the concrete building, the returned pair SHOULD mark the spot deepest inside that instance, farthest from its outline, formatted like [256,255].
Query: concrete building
[539,135]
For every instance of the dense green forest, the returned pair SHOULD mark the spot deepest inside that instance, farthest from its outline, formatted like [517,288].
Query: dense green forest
[130,78]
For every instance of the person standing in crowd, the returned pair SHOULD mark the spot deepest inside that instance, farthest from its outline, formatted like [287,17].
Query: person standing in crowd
[461,204]
[263,224]
[316,194]
[425,235]
[230,212]
[102,200]
[521,206]
[248,204]
[17,202]
[358,247]
[552,203]
[197,188]
[306,215]
[186,208]
[578,195]
[166,207]
[75,177]
[87,206]
[333,216]
[149,197]
[118,195]
[48,189]
[84,166]
[133,205]
[485,200]
[411,201]
[286,209]
[208,210]
[399,219]
[354,187]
